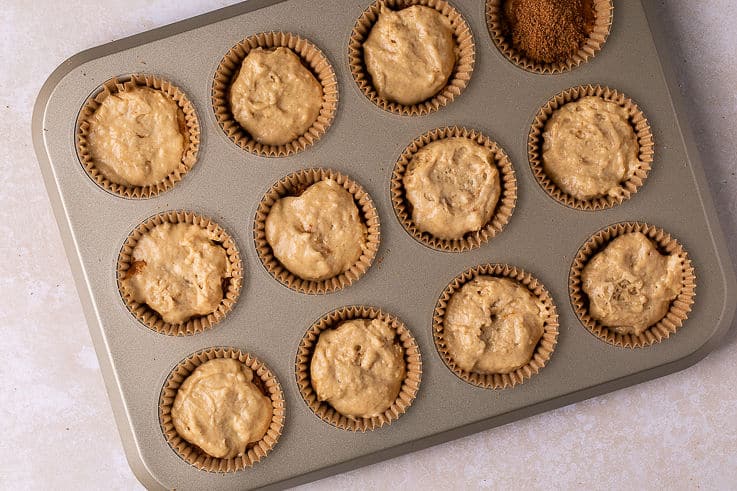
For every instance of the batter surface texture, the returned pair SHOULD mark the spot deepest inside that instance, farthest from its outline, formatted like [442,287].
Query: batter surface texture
[275,98]
[631,285]
[453,186]
[219,409]
[492,325]
[318,234]
[358,367]
[410,54]
[590,148]
[178,271]
[136,137]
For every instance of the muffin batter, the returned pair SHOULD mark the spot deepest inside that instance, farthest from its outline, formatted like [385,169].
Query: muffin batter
[136,137]
[358,367]
[318,234]
[492,325]
[275,98]
[220,410]
[410,54]
[631,285]
[590,148]
[178,271]
[453,186]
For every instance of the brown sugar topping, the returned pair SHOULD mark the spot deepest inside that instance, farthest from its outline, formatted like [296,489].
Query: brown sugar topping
[548,31]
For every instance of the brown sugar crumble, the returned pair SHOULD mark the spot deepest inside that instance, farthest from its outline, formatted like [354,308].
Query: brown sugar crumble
[548,31]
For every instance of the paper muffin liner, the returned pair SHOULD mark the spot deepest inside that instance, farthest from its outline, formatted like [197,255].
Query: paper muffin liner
[471,240]
[311,57]
[604,10]
[679,308]
[410,384]
[293,185]
[640,125]
[459,77]
[543,350]
[149,317]
[266,382]
[188,122]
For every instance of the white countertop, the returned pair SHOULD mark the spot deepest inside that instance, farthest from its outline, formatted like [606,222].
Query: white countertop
[676,432]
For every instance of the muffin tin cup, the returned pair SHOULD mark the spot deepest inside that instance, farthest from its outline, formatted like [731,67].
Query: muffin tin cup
[543,350]
[471,240]
[149,317]
[264,379]
[459,77]
[311,57]
[592,45]
[189,126]
[293,185]
[407,392]
[679,308]
[640,125]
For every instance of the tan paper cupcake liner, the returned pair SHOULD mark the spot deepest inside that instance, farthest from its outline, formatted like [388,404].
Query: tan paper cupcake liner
[312,58]
[325,411]
[465,57]
[679,309]
[188,122]
[293,185]
[592,45]
[640,124]
[471,240]
[265,380]
[544,348]
[149,317]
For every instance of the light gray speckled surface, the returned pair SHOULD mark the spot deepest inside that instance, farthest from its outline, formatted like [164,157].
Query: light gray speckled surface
[58,432]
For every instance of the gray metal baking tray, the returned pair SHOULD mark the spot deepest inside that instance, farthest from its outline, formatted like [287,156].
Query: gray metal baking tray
[364,142]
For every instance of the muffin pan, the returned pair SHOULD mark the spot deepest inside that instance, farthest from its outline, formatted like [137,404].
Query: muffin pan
[407,278]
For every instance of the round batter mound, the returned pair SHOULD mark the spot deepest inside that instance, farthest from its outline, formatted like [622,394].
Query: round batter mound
[220,410]
[410,54]
[453,186]
[631,285]
[492,325]
[275,98]
[318,234]
[358,367]
[137,137]
[178,271]
[590,148]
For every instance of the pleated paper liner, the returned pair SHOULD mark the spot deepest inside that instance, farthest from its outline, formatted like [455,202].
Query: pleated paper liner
[471,240]
[231,289]
[266,382]
[293,185]
[604,11]
[459,77]
[543,350]
[312,58]
[324,410]
[640,125]
[188,123]
[679,308]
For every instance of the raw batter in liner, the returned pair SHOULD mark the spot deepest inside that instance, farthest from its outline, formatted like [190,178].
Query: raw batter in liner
[631,285]
[275,98]
[358,367]
[453,186]
[590,148]
[492,325]
[137,137]
[410,53]
[178,271]
[318,234]
[220,410]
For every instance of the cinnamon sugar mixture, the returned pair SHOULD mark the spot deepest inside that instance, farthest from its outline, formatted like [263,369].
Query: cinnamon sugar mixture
[548,31]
